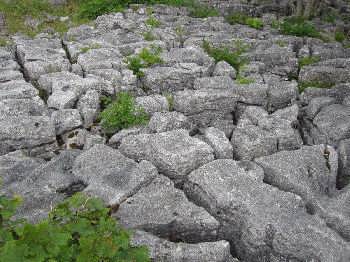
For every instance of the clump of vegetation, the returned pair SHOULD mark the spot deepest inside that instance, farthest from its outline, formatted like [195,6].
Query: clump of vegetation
[3,41]
[79,229]
[149,36]
[153,22]
[105,101]
[92,46]
[244,80]
[314,84]
[146,58]
[309,60]
[339,36]
[281,43]
[233,56]
[170,98]
[122,113]
[298,26]
[203,11]
[241,18]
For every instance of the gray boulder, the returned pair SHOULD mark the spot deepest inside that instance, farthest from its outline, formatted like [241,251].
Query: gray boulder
[66,120]
[89,107]
[163,210]
[204,106]
[310,172]
[223,68]
[45,186]
[111,176]
[166,251]
[25,132]
[153,103]
[17,89]
[259,134]
[174,153]
[262,222]
[216,82]
[343,178]
[170,79]
[16,166]
[219,142]
[331,125]
[167,121]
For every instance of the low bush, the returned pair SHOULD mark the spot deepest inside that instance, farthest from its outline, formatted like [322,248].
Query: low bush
[149,36]
[244,80]
[78,230]
[233,55]
[153,22]
[309,60]
[299,27]
[339,36]
[122,113]
[241,18]
[146,58]
[315,84]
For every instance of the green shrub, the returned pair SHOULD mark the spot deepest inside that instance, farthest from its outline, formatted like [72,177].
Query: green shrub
[256,23]
[170,98]
[281,43]
[244,80]
[303,85]
[234,58]
[122,114]
[299,27]
[3,41]
[92,46]
[339,36]
[203,11]
[79,229]
[153,22]
[241,18]
[146,58]
[309,60]
[149,36]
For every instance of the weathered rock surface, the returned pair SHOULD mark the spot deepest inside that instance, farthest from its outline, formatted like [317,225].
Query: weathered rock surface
[162,209]
[110,175]
[175,178]
[166,251]
[174,153]
[262,222]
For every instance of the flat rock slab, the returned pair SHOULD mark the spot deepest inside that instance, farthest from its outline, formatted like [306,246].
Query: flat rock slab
[110,175]
[166,251]
[25,132]
[262,222]
[174,153]
[45,186]
[331,125]
[309,172]
[165,211]
[260,134]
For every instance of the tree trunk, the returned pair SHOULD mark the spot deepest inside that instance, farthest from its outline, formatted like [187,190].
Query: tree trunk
[299,8]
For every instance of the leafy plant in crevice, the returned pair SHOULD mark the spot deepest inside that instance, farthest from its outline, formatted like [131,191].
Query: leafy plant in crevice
[314,84]
[153,22]
[309,60]
[149,36]
[91,46]
[339,36]
[122,113]
[241,18]
[298,26]
[146,58]
[78,229]
[233,56]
